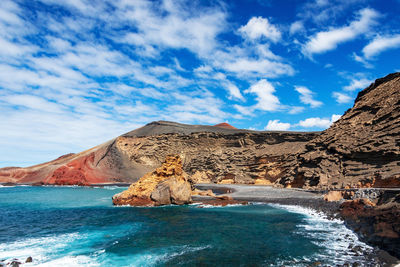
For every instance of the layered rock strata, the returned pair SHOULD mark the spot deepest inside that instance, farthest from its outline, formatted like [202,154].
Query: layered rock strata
[361,149]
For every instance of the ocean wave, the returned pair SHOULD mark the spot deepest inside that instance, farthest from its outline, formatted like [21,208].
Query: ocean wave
[71,261]
[71,249]
[331,234]
[163,255]
[40,249]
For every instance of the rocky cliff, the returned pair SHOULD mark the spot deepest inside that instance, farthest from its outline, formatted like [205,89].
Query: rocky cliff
[361,149]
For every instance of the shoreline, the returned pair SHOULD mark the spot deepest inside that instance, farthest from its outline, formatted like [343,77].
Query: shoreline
[294,197]
[241,193]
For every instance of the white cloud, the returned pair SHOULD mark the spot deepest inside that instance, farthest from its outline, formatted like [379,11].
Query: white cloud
[296,27]
[362,61]
[234,91]
[266,100]
[176,28]
[356,84]
[258,27]
[276,125]
[248,111]
[295,110]
[319,122]
[323,11]
[306,97]
[329,40]
[264,67]
[32,102]
[380,44]
[341,97]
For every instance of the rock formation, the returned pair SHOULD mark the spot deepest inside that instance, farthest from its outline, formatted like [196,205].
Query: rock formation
[168,184]
[209,154]
[377,223]
[361,149]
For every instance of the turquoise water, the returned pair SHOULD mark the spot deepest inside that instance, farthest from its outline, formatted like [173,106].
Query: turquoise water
[75,226]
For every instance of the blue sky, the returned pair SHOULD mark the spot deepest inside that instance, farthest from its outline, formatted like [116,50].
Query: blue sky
[76,73]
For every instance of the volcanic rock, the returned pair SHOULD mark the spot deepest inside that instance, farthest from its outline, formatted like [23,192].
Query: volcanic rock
[225,125]
[377,224]
[209,155]
[166,185]
[361,149]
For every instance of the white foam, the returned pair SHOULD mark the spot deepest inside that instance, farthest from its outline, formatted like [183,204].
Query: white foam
[163,255]
[331,234]
[71,261]
[37,248]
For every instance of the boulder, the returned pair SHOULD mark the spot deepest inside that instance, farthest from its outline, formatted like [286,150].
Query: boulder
[333,196]
[165,185]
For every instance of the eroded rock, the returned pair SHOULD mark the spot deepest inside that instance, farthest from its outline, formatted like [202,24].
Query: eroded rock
[167,184]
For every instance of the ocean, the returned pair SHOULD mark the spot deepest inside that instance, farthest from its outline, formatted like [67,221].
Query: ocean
[79,226]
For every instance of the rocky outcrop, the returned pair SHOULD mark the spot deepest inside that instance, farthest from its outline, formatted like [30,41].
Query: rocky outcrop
[377,224]
[361,149]
[168,184]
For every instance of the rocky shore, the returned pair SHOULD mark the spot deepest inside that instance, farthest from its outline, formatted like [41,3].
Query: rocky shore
[375,224]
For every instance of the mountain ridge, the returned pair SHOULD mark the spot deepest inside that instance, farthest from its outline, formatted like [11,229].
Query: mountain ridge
[361,148]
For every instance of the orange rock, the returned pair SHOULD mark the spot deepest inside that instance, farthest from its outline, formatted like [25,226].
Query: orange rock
[166,185]
[226,181]
[333,196]
[198,192]
[261,181]
[225,125]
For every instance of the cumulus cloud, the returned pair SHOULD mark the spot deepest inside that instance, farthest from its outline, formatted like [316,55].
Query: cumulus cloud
[266,99]
[342,97]
[317,122]
[380,44]
[70,91]
[356,84]
[329,40]
[307,97]
[276,125]
[258,27]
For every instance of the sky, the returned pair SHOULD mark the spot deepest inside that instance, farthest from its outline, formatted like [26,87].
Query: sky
[76,73]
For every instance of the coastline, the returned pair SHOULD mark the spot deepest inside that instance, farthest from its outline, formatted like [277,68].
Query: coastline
[240,193]
[294,197]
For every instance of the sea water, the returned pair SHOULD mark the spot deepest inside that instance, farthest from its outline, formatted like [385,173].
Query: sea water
[79,226]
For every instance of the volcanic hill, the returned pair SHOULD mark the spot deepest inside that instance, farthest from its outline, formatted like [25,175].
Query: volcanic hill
[362,148]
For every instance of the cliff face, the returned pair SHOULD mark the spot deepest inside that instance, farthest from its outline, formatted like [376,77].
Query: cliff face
[361,149]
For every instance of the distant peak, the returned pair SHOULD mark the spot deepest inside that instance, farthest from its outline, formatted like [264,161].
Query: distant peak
[224,125]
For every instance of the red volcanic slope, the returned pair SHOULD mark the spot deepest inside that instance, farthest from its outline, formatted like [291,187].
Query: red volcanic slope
[224,125]
[70,169]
